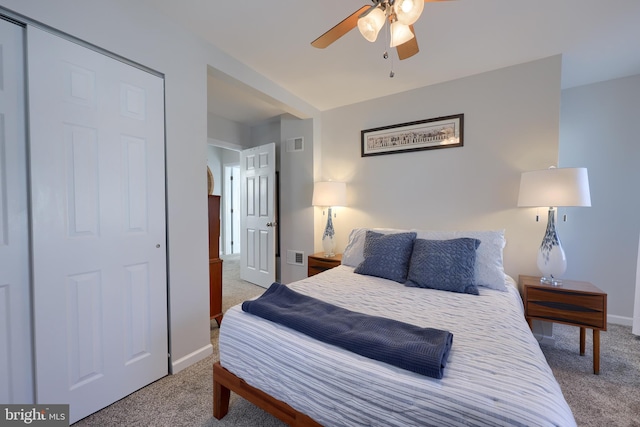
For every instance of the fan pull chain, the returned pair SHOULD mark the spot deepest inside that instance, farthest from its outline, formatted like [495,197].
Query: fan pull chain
[385,55]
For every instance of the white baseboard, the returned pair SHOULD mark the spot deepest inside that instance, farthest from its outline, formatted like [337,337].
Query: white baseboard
[191,358]
[619,320]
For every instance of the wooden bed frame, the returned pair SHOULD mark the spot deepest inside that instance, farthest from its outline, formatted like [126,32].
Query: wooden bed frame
[224,382]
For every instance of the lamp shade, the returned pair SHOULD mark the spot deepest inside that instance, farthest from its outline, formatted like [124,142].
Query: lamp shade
[371,24]
[400,33]
[408,11]
[554,187]
[329,193]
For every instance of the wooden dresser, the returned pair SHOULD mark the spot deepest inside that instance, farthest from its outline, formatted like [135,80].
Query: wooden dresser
[215,263]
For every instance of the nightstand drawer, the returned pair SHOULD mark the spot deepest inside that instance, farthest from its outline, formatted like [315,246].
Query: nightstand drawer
[324,264]
[558,305]
[317,263]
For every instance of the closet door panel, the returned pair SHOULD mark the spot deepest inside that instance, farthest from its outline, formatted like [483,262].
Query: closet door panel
[98,197]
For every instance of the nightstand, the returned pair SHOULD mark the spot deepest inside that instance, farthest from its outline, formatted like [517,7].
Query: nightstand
[573,303]
[317,263]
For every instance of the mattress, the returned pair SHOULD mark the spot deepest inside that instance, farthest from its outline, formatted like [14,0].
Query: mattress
[496,373]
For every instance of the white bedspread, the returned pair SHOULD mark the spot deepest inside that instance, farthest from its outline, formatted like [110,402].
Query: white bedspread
[496,373]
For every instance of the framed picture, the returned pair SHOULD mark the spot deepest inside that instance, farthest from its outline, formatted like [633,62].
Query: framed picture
[429,134]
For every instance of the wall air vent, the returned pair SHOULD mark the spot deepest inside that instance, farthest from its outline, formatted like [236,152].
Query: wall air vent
[295,257]
[295,144]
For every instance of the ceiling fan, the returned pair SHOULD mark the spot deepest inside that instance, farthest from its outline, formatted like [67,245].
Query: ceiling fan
[401,14]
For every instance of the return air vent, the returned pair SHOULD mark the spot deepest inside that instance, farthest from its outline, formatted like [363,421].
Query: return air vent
[295,257]
[295,144]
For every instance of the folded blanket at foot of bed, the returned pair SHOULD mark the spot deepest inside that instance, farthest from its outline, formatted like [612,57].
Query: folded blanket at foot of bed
[410,347]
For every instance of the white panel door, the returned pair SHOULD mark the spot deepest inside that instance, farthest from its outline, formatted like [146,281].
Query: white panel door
[98,200]
[16,380]
[258,226]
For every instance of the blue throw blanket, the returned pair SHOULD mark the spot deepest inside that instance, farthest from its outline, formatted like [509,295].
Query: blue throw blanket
[421,350]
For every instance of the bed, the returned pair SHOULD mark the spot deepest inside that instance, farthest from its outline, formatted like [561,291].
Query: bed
[495,374]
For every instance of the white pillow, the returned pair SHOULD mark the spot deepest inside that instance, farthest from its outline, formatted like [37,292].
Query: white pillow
[489,260]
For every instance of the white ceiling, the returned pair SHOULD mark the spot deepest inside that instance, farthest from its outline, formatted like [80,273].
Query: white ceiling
[599,40]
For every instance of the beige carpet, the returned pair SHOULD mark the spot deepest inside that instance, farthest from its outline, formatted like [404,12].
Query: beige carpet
[610,399]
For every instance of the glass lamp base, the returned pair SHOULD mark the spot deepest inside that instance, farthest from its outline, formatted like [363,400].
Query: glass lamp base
[551,281]
[328,241]
[552,261]
[328,246]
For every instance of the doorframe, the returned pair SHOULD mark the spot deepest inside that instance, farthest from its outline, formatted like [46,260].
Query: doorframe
[233,147]
[21,382]
[231,183]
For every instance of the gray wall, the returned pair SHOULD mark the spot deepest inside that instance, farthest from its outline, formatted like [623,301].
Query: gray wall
[296,184]
[264,133]
[600,130]
[224,130]
[511,125]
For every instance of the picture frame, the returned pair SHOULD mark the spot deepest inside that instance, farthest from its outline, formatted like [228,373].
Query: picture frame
[429,134]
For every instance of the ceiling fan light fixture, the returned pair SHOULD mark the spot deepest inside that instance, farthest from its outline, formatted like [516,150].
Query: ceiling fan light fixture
[371,24]
[400,33]
[408,11]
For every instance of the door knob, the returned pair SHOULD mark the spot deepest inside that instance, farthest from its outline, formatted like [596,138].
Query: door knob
[272,224]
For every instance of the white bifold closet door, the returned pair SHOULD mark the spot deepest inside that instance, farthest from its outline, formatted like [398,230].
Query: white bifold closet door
[16,381]
[98,207]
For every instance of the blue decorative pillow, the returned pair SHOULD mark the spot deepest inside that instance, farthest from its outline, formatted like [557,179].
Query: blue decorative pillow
[387,255]
[447,265]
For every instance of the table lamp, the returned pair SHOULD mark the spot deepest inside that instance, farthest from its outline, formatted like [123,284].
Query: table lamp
[553,187]
[329,194]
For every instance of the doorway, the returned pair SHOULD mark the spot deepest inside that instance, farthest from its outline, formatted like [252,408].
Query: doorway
[224,161]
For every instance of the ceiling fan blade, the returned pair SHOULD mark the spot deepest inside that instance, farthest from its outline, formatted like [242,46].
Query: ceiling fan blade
[409,48]
[346,25]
